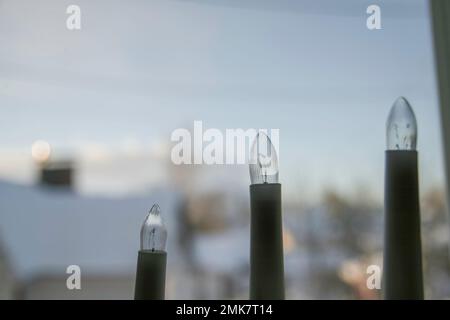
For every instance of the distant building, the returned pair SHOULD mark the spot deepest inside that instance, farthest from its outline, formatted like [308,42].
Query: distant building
[57,174]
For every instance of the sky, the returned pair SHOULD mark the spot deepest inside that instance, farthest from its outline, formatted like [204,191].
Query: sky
[137,70]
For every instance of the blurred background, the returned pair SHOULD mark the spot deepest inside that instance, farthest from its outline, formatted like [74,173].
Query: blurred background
[86,118]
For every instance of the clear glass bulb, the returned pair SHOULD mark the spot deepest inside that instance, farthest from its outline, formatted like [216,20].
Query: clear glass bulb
[401,127]
[153,231]
[263,161]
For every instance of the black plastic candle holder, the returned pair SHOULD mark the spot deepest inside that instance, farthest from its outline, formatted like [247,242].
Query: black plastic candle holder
[266,243]
[402,270]
[150,275]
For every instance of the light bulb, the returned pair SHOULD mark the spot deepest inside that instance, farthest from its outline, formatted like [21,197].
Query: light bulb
[263,161]
[153,231]
[401,127]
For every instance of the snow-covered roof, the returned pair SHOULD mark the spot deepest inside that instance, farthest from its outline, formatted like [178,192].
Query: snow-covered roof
[47,230]
[224,252]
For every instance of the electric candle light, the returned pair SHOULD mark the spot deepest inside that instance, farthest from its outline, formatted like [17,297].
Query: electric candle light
[151,264]
[266,239]
[402,270]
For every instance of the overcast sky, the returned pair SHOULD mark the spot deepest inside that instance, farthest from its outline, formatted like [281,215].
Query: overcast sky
[137,70]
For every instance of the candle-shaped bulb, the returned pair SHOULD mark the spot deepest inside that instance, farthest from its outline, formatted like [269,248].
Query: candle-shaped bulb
[153,231]
[263,161]
[401,127]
